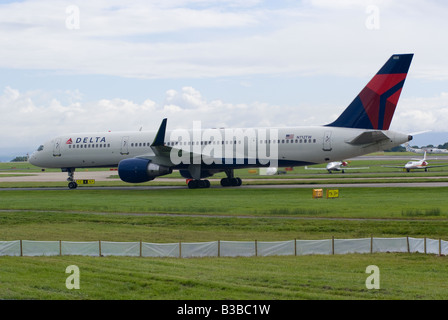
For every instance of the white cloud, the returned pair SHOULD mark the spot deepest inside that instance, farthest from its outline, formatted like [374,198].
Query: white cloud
[419,114]
[27,124]
[200,39]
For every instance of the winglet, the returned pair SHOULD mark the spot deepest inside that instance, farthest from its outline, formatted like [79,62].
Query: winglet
[160,136]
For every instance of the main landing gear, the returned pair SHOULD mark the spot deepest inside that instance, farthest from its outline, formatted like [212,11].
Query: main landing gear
[195,184]
[230,181]
[71,178]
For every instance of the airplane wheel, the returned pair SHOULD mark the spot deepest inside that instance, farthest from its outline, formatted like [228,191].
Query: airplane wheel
[203,184]
[225,182]
[193,184]
[237,182]
[72,185]
[234,182]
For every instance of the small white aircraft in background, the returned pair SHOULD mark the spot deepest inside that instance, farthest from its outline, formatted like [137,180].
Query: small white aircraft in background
[337,166]
[423,150]
[417,164]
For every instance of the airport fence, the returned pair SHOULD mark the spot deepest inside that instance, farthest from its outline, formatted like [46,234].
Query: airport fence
[223,248]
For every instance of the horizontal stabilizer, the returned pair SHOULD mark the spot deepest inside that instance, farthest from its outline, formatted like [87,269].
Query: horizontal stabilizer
[368,137]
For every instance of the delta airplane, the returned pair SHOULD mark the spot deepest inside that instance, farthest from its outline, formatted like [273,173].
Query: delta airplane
[417,164]
[337,166]
[426,149]
[362,128]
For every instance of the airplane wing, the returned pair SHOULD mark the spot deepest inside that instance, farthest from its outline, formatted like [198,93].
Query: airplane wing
[401,167]
[420,167]
[162,153]
[436,166]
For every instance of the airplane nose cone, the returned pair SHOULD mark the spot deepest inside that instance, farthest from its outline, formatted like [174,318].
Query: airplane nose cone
[34,159]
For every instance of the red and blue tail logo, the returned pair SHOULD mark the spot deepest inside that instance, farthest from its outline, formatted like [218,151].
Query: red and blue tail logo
[375,105]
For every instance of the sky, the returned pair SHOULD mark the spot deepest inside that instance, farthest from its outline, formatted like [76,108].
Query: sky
[108,65]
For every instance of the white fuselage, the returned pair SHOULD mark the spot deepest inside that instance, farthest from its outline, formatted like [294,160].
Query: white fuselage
[253,147]
[336,166]
[422,164]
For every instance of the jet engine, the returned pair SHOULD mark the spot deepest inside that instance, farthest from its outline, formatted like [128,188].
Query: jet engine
[136,170]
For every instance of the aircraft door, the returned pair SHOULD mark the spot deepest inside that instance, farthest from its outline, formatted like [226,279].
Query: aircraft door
[57,148]
[124,145]
[327,141]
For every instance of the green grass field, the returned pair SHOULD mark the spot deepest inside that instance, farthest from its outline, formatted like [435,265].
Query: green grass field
[402,276]
[166,216]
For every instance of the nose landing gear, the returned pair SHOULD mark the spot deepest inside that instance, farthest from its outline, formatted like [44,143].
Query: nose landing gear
[71,178]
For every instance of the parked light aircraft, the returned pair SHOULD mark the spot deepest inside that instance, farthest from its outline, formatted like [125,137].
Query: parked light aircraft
[417,164]
[362,128]
[425,149]
[337,166]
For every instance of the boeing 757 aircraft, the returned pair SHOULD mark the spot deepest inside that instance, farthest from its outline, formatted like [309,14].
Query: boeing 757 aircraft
[199,153]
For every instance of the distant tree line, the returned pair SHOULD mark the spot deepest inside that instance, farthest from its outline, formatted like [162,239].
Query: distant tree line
[396,149]
[403,149]
[20,159]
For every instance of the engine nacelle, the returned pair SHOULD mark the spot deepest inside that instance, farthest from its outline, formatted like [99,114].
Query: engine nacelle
[136,170]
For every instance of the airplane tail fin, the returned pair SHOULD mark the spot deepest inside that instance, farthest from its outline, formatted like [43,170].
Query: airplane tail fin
[374,106]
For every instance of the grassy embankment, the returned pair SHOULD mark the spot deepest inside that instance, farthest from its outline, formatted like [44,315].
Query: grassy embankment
[223,214]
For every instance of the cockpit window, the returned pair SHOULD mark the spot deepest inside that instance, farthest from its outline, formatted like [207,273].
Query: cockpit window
[41,147]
